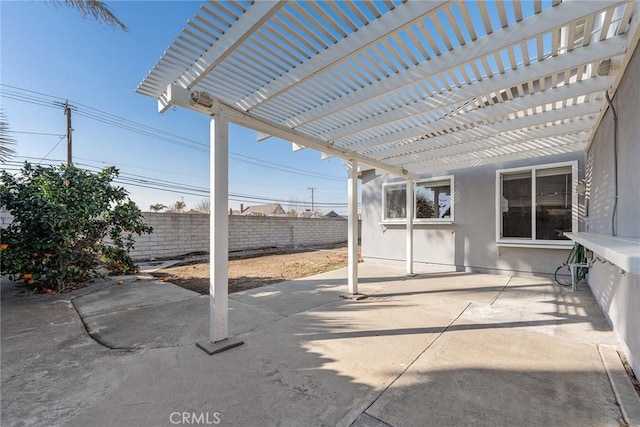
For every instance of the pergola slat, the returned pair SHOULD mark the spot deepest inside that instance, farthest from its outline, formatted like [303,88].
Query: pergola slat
[387,80]
[539,24]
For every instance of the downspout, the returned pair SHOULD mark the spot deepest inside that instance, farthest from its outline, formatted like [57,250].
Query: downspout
[615,165]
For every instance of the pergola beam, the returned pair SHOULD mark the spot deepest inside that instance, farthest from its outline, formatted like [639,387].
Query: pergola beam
[462,140]
[449,164]
[448,99]
[490,114]
[500,140]
[177,95]
[241,30]
[532,27]
[513,146]
[404,15]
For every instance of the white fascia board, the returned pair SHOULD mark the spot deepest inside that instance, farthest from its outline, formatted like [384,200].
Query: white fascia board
[402,16]
[243,28]
[177,95]
[531,27]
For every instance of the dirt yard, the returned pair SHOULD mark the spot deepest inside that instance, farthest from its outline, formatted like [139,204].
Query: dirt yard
[249,273]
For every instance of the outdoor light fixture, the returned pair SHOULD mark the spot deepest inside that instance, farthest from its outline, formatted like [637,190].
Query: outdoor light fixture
[201,98]
[404,172]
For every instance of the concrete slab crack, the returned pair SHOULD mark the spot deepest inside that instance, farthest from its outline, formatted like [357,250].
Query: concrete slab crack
[406,368]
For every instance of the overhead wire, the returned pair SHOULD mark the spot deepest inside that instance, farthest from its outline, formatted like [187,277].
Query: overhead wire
[175,187]
[54,147]
[126,124]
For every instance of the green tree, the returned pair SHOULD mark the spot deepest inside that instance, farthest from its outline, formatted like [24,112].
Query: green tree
[6,141]
[61,217]
[157,207]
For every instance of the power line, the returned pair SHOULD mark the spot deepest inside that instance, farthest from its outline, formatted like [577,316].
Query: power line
[54,147]
[142,129]
[179,188]
[38,133]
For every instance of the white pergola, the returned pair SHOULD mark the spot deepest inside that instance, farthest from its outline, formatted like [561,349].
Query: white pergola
[406,87]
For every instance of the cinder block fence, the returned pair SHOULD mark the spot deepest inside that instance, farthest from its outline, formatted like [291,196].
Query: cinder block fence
[177,234]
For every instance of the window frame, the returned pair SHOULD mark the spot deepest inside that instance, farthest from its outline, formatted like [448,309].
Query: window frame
[384,202]
[449,220]
[533,242]
[403,184]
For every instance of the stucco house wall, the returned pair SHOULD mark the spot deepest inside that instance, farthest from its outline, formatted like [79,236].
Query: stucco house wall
[469,243]
[618,293]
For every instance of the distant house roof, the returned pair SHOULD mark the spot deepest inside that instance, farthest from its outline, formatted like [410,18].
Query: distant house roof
[274,209]
[332,214]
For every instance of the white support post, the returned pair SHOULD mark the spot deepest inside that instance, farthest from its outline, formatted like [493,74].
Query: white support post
[409,210]
[219,339]
[353,227]
[219,230]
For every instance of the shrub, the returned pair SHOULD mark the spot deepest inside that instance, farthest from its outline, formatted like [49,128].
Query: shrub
[61,216]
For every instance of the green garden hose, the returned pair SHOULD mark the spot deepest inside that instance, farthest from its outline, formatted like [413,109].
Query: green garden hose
[578,255]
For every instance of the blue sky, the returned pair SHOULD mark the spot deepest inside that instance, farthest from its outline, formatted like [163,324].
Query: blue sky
[54,51]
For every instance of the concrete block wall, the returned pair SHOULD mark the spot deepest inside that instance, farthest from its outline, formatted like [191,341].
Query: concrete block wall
[173,234]
[176,234]
[179,234]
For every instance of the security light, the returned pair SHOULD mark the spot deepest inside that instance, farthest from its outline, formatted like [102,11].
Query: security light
[202,99]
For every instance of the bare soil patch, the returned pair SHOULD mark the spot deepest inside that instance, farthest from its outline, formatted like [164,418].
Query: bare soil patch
[252,272]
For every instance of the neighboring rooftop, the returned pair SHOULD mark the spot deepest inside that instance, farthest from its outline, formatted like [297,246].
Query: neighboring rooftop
[273,209]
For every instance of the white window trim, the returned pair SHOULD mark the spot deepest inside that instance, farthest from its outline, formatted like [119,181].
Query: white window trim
[418,221]
[385,220]
[452,207]
[532,243]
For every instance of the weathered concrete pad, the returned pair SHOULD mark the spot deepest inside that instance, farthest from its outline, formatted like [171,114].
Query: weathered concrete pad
[51,370]
[466,286]
[133,294]
[170,324]
[399,353]
[323,366]
[488,375]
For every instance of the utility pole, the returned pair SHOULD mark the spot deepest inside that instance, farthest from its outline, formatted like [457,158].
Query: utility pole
[67,112]
[313,208]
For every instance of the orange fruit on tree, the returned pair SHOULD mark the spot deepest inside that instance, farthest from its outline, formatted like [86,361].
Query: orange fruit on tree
[4,246]
[35,254]
[31,282]
[48,291]
[27,276]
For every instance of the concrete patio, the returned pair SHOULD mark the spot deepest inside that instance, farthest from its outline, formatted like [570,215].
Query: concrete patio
[436,349]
